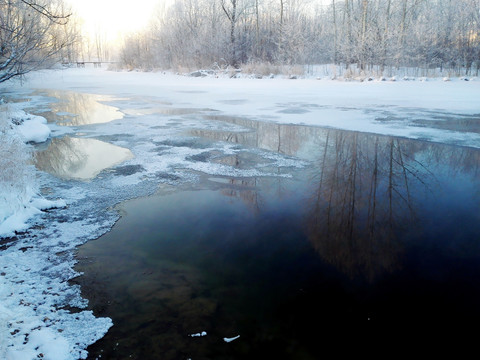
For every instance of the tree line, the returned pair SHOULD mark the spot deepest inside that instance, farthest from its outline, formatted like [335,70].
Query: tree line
[365,34]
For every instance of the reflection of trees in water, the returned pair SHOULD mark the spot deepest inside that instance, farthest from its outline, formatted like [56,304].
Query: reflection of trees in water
[62,157]
[84,109]
[280,138]
[367,187]
[284,139]
[456,159]
[363,198]
[246,190]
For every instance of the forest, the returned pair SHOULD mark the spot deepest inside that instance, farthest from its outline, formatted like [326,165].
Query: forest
[363,36]
[367,35]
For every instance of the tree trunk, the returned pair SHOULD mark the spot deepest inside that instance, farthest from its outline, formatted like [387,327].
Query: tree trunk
[281,12]
[403,26]
[335,33]
[232,17]
[386,37]
[363,50]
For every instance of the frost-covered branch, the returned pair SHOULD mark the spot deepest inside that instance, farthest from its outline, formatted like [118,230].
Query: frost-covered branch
[17,178]
[61,19]
[363,34]
[31,36]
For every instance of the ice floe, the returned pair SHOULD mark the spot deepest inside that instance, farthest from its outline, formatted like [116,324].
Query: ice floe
[227,340]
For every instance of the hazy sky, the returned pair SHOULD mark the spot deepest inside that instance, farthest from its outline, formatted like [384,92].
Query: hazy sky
[114,17]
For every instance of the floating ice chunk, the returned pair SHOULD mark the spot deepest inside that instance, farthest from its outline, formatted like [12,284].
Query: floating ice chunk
[203,333]
[231,339]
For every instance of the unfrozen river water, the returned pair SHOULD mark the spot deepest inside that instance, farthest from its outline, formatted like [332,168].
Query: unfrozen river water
[296,238]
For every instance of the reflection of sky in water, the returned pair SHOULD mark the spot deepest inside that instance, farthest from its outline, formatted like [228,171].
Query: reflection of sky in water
[77,158]
[76,109]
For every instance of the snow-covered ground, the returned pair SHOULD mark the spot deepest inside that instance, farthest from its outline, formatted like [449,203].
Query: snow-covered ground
[40,312]
[17,188]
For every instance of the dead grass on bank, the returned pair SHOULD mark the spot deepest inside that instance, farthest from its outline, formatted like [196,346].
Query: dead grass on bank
[261,70]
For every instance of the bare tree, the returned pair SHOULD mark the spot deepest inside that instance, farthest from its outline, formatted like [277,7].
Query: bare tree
[370,35]
[335,29]
[231,10]
[28,36]
[44,10]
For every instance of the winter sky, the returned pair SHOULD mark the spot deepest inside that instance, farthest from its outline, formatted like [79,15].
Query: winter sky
[112,18]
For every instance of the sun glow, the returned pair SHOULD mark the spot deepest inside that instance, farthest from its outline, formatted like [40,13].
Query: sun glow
[113,19]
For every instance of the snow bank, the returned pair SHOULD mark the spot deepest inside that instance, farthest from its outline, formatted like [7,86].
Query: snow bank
[21,217]
[32,278]
[17,175]
[18,187]
[35,130]
[31,127]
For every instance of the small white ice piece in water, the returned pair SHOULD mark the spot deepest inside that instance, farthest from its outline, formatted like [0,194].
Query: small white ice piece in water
[203,333]
[231,339]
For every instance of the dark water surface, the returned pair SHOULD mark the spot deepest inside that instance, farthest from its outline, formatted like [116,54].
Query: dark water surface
[375,230]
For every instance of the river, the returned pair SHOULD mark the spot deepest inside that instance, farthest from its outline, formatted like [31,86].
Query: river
[284,235]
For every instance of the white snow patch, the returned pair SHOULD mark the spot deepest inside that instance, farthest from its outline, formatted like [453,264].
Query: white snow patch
[44,204]
[20,219]
[17,221]
[32,287]
[33,128]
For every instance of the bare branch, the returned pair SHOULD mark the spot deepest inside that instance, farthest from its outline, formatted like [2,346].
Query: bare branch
[41,9]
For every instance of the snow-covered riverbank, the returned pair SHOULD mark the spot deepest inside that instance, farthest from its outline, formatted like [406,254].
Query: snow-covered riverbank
[36,299]
[33,286]
[18,190]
